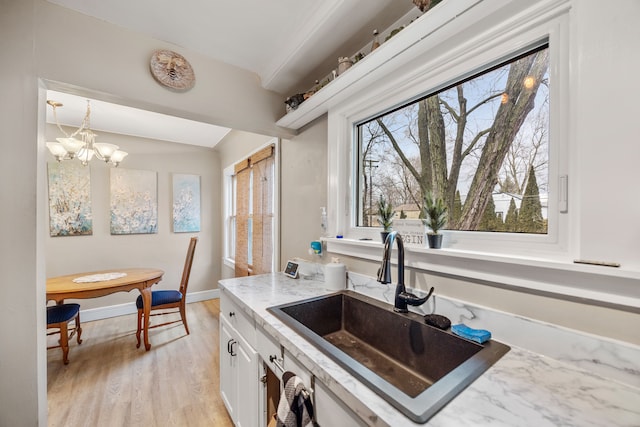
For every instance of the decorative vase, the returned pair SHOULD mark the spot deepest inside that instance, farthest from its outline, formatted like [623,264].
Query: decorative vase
[344,63]
[435,240]
[384,235]
[376,41]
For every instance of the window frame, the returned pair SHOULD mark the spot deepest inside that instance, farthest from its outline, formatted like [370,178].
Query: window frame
[229,229]
[487,49]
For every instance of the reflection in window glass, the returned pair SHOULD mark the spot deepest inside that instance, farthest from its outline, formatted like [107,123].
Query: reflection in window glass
[480,144]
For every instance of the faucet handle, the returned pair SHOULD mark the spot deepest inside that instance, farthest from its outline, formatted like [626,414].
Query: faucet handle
[412,299]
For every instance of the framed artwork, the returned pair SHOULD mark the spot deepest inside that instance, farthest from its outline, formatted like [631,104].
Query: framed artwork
[69,199]
[186,203]
[134,201]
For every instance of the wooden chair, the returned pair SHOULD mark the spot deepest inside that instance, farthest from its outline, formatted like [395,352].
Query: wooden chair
[58,317]
[170,299]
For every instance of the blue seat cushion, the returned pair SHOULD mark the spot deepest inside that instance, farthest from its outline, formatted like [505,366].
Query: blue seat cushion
[160,298]
[61,313]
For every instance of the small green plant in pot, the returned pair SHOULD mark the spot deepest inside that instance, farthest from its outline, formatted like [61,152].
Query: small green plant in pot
[434,213]
[385,217]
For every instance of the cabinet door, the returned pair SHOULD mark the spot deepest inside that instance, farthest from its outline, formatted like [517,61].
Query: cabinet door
[330,411]
[228,368]
[247,408]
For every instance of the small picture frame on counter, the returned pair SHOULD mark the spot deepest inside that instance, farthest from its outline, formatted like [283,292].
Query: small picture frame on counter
[292,269]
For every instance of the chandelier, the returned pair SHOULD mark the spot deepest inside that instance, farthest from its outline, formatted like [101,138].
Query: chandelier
[81,144]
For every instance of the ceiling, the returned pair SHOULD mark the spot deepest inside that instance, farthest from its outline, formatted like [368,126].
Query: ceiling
[120,119]
[287,43]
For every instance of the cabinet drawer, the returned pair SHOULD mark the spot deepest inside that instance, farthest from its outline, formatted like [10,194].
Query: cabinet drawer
[266,347]
[240,320]
[293,365]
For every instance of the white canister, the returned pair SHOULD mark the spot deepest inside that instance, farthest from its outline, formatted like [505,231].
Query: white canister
[335,274]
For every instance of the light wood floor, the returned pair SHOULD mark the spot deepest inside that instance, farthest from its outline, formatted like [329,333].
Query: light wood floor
[109,382]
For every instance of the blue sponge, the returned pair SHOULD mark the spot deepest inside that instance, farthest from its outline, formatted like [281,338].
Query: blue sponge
[477,335]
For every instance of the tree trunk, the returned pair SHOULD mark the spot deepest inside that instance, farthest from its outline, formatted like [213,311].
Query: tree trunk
[425,180]
[437,146]
[506,125]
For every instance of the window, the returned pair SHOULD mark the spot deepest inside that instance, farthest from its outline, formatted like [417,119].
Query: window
[254,213]
[481,144]
[429,72]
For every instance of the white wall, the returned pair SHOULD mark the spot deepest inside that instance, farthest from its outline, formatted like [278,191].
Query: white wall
[237,145]
[22,354]
[303,190]
[43,40]
[602,131]
[607,60]
[91,57]
[303,184]
[79,50]
[165,249]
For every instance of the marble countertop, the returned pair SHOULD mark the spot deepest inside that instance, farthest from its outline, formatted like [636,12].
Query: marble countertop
[554,377]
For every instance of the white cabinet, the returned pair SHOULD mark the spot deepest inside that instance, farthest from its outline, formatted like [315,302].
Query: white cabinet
[330,411]
[239,376]
[228,368]
[243,350]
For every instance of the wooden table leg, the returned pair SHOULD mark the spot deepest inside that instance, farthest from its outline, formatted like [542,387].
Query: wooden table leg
[146,309]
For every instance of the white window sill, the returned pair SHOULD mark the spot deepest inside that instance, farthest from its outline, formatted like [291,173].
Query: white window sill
[229,262]
[599,285]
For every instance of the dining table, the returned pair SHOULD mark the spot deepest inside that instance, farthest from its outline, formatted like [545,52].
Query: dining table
[105,282]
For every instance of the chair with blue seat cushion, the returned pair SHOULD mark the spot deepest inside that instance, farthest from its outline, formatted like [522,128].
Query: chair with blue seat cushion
[169,299]
[58,317]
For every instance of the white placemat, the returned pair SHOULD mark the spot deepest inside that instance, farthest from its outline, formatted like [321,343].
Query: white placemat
[99,277]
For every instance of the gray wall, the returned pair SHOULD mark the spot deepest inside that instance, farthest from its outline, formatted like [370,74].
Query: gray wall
[75,49]
[45,41]
[237,145]
[71,51]
[303,183]
[22,323]
[165,249]
[303,189]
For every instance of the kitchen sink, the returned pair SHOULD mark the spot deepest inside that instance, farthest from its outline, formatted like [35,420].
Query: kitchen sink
[415,367]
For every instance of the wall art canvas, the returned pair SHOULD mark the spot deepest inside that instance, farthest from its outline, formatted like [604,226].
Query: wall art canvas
[69,199]
[186,203]
[134,201]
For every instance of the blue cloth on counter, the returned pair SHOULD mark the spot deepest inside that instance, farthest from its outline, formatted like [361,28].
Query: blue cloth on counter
[478,335]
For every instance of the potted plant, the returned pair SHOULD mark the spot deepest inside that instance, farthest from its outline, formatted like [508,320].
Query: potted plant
[434,213]
[385,217]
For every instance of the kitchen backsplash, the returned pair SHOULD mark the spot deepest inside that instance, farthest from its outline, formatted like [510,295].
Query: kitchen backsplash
[612,359]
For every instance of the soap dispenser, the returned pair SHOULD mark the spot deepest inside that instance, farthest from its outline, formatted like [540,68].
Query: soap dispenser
[323,221]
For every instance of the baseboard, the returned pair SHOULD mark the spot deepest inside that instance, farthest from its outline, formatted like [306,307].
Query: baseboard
[99,313]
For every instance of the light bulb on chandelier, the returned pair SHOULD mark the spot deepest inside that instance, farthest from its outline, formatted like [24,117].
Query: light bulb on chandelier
[84,147]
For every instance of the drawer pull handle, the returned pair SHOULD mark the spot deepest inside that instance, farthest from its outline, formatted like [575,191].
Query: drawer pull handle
[274,359]
[232,313]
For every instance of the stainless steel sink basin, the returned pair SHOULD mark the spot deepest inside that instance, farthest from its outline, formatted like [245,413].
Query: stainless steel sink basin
[415,367]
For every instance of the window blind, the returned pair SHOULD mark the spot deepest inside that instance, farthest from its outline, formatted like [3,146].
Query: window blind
[254,213]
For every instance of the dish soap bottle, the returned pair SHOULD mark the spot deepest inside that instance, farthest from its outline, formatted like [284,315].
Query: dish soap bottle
[323,221]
